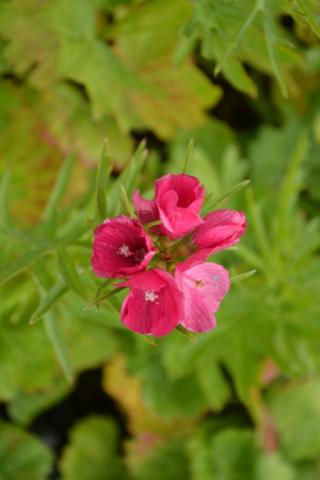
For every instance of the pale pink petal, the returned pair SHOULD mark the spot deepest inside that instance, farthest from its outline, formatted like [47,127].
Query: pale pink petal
[203,286]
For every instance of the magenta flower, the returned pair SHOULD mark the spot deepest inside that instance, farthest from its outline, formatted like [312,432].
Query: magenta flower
[179,199]
[154,305]
[120,248]
[146,210]
[203,286]
[177,203]
[221,229]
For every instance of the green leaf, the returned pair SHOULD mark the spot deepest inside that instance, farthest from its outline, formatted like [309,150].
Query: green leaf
[248,20]
[215,203]
[242,276]
[235,33]
[291,187]
[180,398]
[27,362]
[310,13]
[103,173]
[237,75]
[296,410]
[271,40]
[171,457]
[151,34]
[221,449]
[212,380]
[4,199]
[26,406]
[48,299]
[275,467]
[233,454]
[128,178]
[258,225]
[92,453]
[59,189]
[22,455]
[103,296]
[128,208]
[21,265]
[188,156]
[216,160]
[57,342]
[69,273]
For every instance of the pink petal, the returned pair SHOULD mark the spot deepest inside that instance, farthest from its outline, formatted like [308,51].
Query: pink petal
[179,199]
[154,305]
[187,187]
[120,248]
[203,286]
[221,229]
[147,210]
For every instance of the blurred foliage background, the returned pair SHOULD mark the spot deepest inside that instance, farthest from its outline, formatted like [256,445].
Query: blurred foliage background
[81,397]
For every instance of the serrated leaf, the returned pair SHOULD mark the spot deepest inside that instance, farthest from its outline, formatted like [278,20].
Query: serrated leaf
[248,20]
[151,31]
[232,33]
[310,13]
[162,109]
[21,24]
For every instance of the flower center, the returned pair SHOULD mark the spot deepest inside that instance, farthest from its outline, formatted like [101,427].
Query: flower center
[124,250]
[150,296]
[199,283]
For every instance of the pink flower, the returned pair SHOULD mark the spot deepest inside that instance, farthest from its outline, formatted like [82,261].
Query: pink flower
[203,286]
[177,203]
[146,210]
[154,305]
[221,229]
[120,248]
[179,199]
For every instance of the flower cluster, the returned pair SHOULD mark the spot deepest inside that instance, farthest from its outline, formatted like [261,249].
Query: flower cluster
[179,287]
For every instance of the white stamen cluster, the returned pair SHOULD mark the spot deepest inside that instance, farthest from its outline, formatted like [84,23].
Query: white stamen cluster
[124,250]
[150,296]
